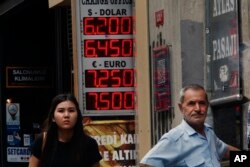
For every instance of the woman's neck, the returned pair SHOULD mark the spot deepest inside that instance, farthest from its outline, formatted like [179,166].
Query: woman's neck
[65,135]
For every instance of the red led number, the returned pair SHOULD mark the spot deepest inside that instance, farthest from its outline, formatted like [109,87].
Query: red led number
[109,78]
[107,25]
[108,48]
[110,100]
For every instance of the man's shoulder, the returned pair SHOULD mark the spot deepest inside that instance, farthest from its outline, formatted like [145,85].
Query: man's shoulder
[174,134]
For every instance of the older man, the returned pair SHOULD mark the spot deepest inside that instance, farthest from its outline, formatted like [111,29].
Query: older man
[193,142]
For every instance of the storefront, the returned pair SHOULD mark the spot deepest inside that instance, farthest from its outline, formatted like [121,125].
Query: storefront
[32,72]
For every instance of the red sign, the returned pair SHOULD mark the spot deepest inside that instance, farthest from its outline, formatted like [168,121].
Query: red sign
[161,76]
[159,18]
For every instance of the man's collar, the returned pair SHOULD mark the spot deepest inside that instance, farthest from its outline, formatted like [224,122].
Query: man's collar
[190,131]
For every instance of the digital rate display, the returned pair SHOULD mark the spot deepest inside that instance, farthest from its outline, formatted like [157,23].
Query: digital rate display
[114,78]
[107,25]
[107,59]
[108,48]
[110,101]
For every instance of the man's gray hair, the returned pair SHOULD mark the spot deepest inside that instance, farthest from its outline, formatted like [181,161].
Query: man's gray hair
[191,86]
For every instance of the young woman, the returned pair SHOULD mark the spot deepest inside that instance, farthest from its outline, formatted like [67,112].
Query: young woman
[64,143]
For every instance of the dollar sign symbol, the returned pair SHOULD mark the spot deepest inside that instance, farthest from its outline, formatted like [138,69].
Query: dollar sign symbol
[90,12]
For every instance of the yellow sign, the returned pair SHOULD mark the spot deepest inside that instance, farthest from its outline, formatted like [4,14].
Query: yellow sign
[116,140]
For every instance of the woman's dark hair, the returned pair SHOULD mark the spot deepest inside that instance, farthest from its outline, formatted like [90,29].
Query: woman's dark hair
[51,129]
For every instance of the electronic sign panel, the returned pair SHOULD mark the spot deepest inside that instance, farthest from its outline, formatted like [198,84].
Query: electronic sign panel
[106,58]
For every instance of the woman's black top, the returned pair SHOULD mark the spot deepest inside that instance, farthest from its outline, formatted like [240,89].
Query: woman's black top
[62,153]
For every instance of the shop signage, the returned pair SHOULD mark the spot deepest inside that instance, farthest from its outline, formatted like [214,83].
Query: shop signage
[29,77]
[18,154]
[116,141]
[15,153]
[223,51]
[13,124]
[159,18]
[161,79]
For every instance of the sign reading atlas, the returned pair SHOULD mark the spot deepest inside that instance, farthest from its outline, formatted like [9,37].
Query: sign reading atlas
[223,53]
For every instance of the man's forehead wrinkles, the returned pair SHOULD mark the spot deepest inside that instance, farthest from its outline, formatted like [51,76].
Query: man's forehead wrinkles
[196,100]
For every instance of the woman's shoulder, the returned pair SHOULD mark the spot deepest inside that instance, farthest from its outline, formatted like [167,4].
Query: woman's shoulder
[90,142]
[37,146]
[90,139]
[92,150]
